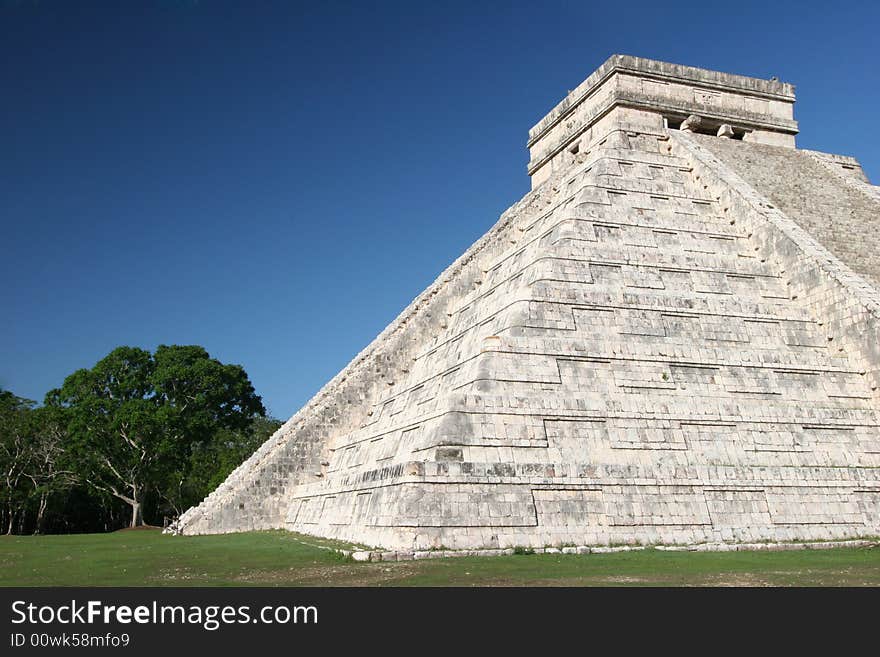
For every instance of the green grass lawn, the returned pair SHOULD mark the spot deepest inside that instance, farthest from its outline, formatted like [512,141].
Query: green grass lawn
[147,558]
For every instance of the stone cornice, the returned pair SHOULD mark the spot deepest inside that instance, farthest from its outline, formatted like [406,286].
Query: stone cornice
[624,98]
[661,71]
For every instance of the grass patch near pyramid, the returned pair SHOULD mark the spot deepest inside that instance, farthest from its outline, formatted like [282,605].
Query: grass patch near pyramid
[278,558]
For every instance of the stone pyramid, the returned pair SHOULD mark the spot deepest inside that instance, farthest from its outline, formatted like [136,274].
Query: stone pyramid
[673,338]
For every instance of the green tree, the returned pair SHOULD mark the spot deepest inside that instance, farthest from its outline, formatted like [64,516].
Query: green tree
[134,418]
[51,470]
[16,456]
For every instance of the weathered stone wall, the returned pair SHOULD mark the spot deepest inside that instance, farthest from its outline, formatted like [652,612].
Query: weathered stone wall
[645,349]
[651,379]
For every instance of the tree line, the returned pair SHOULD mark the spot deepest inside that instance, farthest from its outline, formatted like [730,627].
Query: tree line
[137,439]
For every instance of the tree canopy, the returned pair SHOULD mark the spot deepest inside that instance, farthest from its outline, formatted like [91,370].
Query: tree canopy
[135,419]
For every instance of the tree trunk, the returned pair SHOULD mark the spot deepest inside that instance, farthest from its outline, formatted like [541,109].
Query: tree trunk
[136,518]
[11,522]
[44,501]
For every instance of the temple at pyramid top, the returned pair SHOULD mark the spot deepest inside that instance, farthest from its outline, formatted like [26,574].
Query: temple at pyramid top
[673,338]
[756,110]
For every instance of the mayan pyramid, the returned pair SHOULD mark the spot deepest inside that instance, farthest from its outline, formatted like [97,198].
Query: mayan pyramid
[674,337]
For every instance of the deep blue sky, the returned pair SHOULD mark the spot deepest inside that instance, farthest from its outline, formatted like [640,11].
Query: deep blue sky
[276,183]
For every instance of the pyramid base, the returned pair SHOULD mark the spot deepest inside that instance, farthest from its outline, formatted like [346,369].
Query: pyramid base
[418,516]
[410,555]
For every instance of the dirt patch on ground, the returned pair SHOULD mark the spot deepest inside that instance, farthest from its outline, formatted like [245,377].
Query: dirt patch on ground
[176,575]
[387,573]
[734,580]
[138,528]
[628,581]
